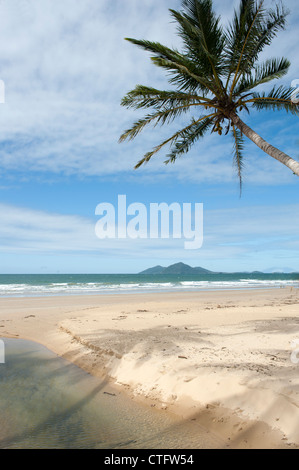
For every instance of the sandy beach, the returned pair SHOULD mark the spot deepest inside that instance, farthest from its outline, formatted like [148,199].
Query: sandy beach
[225,359]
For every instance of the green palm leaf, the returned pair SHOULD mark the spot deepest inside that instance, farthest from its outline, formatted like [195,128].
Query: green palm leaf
[161,117]
[147,97]
[185,73]
[238,153]
[188,138]
[269,70]
[279,98]
[253,28]
[182,133]
[202,35]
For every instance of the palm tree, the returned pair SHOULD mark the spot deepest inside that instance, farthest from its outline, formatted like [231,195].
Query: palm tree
[214,77]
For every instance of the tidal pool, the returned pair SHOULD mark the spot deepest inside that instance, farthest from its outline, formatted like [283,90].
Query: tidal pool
[46,402]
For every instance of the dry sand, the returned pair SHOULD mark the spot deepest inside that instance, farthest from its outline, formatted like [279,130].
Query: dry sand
[227,360]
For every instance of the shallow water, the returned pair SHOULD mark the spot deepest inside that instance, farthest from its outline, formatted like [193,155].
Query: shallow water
[46,402]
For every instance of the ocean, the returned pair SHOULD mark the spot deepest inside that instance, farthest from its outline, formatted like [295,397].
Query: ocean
[35,285]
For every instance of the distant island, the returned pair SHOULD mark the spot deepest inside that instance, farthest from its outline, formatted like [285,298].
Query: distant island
[177,268]
[182,268]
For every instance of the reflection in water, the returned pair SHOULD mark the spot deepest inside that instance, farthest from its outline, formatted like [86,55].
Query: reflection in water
[45,402]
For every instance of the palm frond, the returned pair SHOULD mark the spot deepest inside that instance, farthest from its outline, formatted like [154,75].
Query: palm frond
[148,97]
[253,28]
[275,21]
[188,138]
[173,139]
[202,35]
[157,48]
[185,75]
[278,99]
[269,70]
[165,115]
[185,72]
[238,153]
[237,33]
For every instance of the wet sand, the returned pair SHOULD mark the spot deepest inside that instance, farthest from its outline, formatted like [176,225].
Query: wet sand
[225,360]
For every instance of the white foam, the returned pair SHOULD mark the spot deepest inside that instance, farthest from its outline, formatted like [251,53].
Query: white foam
[13,290]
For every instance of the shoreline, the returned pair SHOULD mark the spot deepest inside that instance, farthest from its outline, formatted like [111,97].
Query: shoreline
[221,357]
[151,291]
[147,292]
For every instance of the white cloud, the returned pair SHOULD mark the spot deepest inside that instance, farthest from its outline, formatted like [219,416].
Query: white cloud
[66,67]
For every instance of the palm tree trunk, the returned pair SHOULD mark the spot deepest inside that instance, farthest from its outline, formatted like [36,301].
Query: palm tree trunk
[265,146]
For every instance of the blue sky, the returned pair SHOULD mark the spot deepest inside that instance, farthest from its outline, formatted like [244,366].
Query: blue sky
[66,67]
